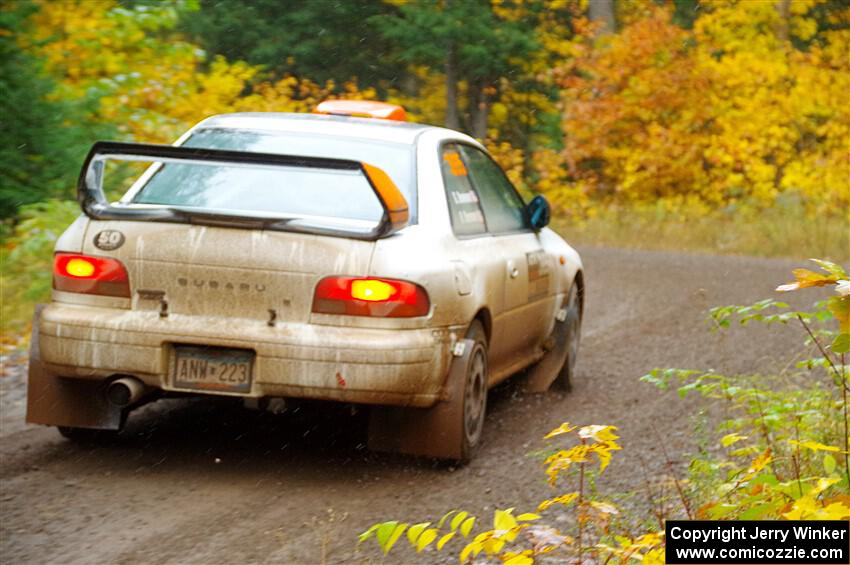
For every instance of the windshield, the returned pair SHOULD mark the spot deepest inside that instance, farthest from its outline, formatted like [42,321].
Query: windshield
[288,191]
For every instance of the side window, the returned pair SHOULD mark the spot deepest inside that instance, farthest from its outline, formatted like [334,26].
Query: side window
[504,210]
[464,207]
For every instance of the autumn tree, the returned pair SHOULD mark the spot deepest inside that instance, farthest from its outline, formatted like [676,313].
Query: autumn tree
[43,138]
[146,79]
[748,105]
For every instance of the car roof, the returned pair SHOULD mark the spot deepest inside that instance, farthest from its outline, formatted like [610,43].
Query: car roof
[337,126]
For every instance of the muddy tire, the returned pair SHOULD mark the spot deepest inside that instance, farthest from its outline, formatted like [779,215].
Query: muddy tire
[88,436]
[475,393]
[451,429]
[572,324]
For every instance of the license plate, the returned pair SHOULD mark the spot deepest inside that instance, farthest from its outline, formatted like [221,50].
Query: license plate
[212,369]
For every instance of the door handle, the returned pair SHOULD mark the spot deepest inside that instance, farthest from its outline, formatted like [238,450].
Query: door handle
[512,269]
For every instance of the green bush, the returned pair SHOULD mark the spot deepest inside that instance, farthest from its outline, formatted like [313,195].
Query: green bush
[26,261]
[784,455]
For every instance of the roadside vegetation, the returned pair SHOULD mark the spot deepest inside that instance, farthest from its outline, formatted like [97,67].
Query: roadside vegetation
[781,453]
[782,230]
[715,126]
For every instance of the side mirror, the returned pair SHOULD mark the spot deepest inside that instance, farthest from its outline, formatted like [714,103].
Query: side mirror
[538,212]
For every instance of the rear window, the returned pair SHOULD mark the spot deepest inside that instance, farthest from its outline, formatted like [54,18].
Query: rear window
[298,192]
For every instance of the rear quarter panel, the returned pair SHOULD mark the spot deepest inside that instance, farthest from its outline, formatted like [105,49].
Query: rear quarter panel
[428,253]
[73,238]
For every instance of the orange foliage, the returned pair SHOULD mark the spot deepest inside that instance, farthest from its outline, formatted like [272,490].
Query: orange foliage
[728,112]
[731,111]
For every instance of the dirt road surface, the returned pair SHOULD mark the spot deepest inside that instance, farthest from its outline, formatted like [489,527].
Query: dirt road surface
[199,481]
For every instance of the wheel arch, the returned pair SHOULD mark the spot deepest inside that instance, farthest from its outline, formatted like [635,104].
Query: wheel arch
[579,282]
[483,316]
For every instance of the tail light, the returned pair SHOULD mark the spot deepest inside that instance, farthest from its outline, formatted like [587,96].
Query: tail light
[90,275]
[380,298]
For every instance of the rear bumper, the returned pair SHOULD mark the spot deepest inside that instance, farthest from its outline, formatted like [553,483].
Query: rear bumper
[404,367]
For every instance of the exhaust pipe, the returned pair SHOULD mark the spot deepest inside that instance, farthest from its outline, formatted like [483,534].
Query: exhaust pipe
[125,391]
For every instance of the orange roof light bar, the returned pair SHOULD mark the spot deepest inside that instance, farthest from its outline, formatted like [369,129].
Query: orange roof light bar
[362,109]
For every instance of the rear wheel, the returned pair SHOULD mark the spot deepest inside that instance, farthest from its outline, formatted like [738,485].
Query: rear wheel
[87,436]
[572,324]
[475,392]
[451,429]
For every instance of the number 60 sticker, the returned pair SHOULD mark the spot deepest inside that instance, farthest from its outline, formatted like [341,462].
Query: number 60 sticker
[109,240]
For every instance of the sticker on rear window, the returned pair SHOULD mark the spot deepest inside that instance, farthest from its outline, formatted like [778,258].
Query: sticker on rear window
[109,240]
[456,165]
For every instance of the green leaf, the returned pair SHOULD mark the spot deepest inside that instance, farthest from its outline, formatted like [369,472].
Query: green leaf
[414,531]
[722,510]
[394,537]
[841,343]
[730,439]
[828,463]
[388,533]
[756,512]
[765,479]
[368,533]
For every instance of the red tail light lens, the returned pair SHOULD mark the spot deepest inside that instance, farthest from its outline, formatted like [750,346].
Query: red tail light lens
[380,298]
[90,275]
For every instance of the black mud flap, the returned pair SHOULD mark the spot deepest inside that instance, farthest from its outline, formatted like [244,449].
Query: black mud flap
[427,432]
[58,401]
[544,372]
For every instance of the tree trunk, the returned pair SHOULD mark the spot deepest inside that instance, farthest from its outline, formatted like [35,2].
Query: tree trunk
[603,11]
[783,7]
[452,116]
[479,110]
[527,152]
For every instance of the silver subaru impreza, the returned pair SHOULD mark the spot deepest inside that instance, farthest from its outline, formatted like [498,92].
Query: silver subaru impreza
[344,255]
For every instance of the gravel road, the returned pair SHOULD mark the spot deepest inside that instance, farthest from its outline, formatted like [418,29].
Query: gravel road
[200,481]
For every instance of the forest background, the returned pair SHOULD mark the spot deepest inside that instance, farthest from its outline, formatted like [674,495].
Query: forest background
[713,125]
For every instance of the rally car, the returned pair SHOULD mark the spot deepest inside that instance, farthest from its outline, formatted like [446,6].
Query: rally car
[344,255]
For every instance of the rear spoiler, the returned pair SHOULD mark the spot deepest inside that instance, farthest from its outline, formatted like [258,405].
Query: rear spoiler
[94,204]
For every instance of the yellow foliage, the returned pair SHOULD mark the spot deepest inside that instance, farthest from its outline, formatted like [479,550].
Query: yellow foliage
[428,105]
[604,434]
[813,445]
[809,508]
[564,428]
[598,440]
[509,158]
[150,85]
[565,499]
[728,111]
[730,439]
[153,86]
